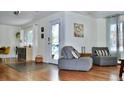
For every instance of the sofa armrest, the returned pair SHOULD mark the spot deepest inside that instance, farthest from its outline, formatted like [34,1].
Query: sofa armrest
[105,60]
[105,57]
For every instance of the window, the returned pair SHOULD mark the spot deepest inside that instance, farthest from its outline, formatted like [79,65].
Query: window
[115,27]
[28,37]
[113,38]
[121,37]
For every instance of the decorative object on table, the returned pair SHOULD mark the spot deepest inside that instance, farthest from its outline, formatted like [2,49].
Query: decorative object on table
[83,49]
[78,30]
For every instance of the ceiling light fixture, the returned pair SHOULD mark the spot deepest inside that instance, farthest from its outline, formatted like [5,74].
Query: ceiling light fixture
[16,12]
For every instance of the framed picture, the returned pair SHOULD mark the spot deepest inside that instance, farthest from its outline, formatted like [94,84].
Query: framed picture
[42,36]
[78,30]
[42,29]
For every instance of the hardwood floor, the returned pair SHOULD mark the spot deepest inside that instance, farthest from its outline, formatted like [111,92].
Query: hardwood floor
[95,74]
[51,73]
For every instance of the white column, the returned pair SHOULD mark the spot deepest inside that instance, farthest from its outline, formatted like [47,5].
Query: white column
[35,41]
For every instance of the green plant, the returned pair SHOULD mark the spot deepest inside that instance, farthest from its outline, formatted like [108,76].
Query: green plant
[18,35]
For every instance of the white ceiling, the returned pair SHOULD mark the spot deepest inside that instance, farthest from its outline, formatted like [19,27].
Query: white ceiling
[100,14]
[25,17]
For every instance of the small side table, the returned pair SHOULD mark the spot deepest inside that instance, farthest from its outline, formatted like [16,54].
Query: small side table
[85,54]
[121,68]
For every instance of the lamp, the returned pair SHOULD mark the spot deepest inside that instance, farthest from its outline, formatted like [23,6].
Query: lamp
[16,12]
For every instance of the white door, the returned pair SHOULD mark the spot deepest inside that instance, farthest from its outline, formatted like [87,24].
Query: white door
[54,41]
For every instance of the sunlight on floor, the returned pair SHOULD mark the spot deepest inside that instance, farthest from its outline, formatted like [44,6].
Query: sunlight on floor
[54,75]
[29,76]
[113,77]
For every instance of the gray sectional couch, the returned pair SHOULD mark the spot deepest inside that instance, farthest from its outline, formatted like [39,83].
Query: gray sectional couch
[102,57]
[71,60]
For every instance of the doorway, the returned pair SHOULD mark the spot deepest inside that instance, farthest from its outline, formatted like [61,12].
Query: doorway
[54,41]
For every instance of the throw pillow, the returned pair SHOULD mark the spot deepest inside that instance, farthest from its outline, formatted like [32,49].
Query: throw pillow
[103,53]
[77,53]
[106,53]
[97,53]
[100,53]
[74,54]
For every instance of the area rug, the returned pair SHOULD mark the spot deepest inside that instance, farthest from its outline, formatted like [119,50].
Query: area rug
[26,67]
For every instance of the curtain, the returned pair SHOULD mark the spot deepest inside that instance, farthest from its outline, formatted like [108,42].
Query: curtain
[114,35]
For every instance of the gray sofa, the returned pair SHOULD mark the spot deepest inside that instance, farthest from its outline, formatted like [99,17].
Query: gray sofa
[102,57]
[68,60]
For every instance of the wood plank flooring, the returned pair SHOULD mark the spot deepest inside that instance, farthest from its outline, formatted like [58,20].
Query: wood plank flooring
[52,73]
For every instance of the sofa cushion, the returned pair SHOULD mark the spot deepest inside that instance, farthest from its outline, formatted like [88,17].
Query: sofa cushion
[97,52]
[66,53]
[78,54]
[63,53]
[102,53]
[106,53]
[74,55]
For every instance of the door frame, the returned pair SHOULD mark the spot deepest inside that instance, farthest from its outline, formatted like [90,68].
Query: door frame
[56,21]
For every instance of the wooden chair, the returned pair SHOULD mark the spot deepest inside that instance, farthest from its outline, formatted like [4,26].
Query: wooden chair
[4,53]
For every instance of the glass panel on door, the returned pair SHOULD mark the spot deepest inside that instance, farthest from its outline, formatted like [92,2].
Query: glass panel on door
[55,41]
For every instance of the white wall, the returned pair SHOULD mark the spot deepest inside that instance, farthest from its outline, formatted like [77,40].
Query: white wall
[94,33]
[93,28]
[43,43]
[42,47]
[7,37]
[101,32]
[90,31]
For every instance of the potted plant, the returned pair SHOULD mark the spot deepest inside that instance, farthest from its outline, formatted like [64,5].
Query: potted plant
[18,35]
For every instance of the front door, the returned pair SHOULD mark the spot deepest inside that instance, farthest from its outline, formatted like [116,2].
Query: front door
[54,42]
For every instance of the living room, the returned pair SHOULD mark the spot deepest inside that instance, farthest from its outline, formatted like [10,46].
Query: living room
[32,76]
[42,23]
[91,37]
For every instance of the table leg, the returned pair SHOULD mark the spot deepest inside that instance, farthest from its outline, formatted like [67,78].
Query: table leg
[121,69]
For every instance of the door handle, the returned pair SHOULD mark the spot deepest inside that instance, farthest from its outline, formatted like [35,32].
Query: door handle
[49,40]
